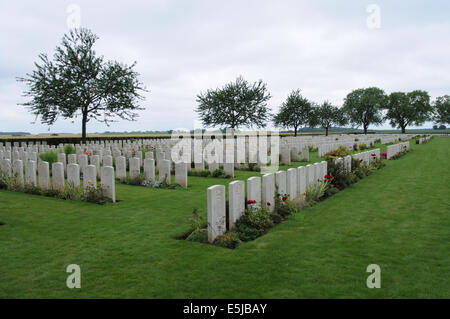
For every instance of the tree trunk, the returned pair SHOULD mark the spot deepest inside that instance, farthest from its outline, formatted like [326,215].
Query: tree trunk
[365,129]
[83,128]
[326,131]
[403,129]
[295,131]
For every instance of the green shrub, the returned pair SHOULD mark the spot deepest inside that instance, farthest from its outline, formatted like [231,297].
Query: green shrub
[71,192]
[253,223]
[254,167]
[69,149]
[50,192]
[5,180]
[196,220]
[33,190]
[340,178]
[199,235]
[50,157]
[93,195]
[219,173]
[315,192]
[134,180]
[362,146]
[246,232]
[342,151]
[228,240]
[204,173]
[276,217]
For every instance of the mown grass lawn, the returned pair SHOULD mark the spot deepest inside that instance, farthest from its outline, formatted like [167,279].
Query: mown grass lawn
[398,218]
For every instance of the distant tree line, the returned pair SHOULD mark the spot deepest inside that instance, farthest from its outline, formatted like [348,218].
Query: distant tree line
[241,103]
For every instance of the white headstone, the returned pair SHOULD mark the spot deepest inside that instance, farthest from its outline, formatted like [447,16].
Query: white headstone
[229,169]
[5,166]
[30,173]
[291,183]
[135,167]
[254,190]
[121,167]
[107,160]
[83,162]
[181,174]
[90,177]
[236,192]
[216,212]
[72,158]
[149,169]
[58,176]
[73,174]
[108,183]
[301,180]
[286,156]
[164,171]
[268,191]
[62,159]
[44,175]
[18,171]
[280,181]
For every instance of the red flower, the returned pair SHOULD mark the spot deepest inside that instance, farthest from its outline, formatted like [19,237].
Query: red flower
[268,203]
[284,198]
[251,201]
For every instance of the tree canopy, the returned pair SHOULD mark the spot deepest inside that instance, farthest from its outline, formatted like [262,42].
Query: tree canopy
[363,107]
[78,82]
[404,109]
[442,110]
[295,112]
[236,104]
[326,115]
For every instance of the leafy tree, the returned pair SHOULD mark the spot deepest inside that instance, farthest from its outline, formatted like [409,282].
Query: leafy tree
[398,110]
[327,115]
[404,109]
[296,111]
[79,83]
[237,104]
[363,107]
[442,110]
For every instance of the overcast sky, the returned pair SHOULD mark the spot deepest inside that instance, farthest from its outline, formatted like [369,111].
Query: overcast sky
[324,48]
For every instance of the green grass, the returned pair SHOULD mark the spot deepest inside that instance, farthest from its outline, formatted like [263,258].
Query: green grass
[397,218]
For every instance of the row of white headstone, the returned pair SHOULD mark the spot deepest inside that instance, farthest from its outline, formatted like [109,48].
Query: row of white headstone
[425,139]
[57,181]
[395,149]
[261,192]
[292,183]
